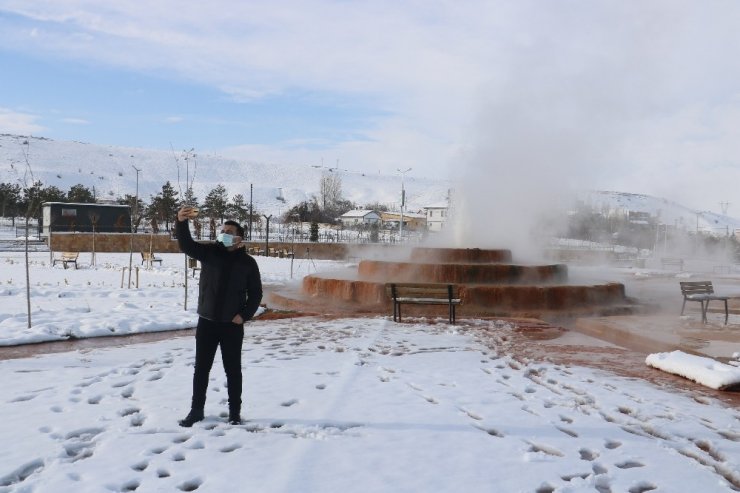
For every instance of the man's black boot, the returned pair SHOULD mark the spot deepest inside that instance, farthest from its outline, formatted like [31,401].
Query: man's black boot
[193,417]
[234,417]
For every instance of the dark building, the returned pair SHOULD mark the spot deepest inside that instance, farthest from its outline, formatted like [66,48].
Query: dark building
[63,217]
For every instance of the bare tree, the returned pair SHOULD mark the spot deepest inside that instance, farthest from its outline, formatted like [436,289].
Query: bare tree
[32,196]
[330,189]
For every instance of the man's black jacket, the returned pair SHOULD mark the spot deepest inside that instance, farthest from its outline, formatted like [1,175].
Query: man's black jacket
[230,281]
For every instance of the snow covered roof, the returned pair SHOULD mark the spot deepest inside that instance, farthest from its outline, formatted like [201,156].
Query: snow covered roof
[358,213]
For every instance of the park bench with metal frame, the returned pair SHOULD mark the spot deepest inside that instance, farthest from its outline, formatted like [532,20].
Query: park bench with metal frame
[66,258]
[150,258]
[193,264]
[423,294]
[702,292]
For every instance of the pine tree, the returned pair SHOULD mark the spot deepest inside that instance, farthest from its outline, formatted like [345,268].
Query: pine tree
[10,197]
[164,205]
[215,203]
[81,194]
[238,209]
[190,199]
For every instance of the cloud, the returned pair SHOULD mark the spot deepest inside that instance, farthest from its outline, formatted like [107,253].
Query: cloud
[14,122]
[639,95]
[76,121]
[174,119]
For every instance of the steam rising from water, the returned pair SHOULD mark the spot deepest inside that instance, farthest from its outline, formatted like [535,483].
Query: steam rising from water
[585,91]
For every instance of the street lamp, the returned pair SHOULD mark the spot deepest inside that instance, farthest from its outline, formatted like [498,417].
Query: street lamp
[403,200]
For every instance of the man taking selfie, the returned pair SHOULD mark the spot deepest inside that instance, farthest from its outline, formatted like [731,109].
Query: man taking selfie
[230,291]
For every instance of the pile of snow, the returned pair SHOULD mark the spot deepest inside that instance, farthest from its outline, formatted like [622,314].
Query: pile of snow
[705,371]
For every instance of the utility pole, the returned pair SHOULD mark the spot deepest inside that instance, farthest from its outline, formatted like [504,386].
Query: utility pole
[188,189]
[251,188]
[724,205]
[403,201]
[131,243]
[267,234]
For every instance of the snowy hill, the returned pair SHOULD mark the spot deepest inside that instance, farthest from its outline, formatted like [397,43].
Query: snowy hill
[668,211]
[277,187]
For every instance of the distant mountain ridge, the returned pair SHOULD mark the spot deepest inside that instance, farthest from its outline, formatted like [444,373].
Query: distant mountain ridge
[669,212]
[276,187]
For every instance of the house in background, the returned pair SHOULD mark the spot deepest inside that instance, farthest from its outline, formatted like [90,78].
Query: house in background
[412,221]
[359,217]
[436,215]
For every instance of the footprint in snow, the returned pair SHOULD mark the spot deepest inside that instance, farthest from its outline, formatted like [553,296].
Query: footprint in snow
[157,450]
[629,464]
[190,485]
[588,454]
[137,420]
[131,485]
[23,398]
[229,448]
[567,431]
[545,449]
[140,466]
[181,439]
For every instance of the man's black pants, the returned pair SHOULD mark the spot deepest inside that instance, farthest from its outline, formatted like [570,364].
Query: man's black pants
[209,335]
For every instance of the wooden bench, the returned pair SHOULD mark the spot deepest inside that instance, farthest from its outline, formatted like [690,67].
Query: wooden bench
[149,258]
[285,253]
[66,258]
[671,261]
[193,264]
[703,292]
[423,294]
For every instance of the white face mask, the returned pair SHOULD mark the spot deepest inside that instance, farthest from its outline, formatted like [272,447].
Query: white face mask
[226,239]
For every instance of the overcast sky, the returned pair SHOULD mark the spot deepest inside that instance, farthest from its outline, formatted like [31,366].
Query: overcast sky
[637,96]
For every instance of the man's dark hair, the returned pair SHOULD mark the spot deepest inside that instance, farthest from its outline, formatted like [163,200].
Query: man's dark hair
[238,226]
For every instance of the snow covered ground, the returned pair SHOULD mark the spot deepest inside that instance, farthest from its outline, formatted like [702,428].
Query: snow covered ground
[353,404]
[89,301]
